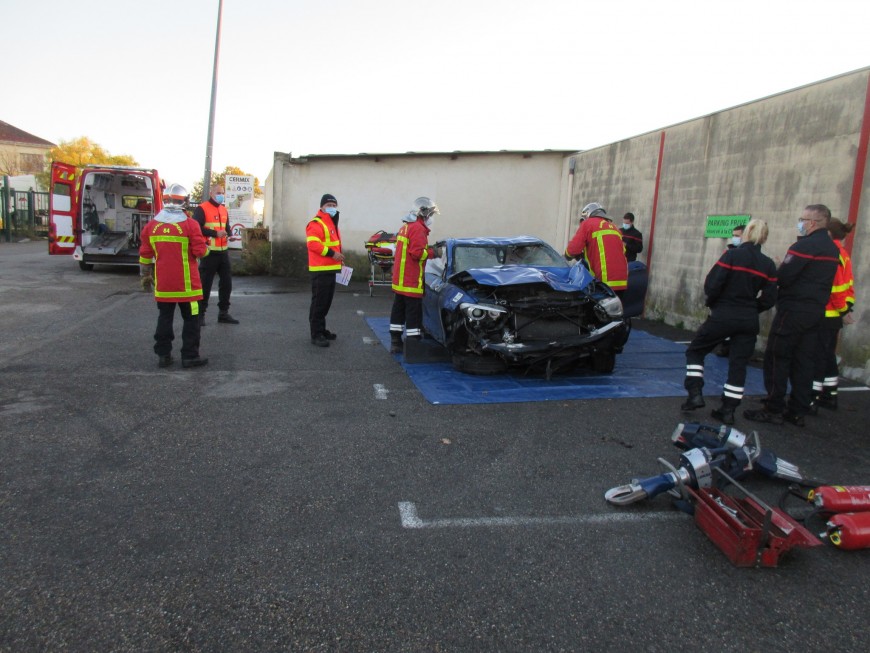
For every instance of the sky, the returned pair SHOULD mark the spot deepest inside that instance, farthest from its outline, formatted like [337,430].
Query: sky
[383,76]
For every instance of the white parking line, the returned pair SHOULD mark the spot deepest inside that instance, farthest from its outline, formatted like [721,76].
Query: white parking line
[862,388]
[410,519]
[360,312]
[369,341]
[381,391]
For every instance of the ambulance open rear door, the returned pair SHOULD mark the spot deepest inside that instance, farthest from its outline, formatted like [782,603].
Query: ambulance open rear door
[64,233]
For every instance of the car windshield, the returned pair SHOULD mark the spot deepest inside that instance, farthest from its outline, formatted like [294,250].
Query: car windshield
[468,257]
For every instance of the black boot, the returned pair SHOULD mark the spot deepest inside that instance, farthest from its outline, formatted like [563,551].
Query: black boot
[395,343]
[827,400]
[724,414]
[695,400]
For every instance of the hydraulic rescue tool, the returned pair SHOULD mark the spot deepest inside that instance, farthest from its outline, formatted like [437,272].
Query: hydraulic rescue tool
[706,448]
[746,530]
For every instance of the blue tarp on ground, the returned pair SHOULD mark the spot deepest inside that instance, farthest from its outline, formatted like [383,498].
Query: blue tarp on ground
[648,367]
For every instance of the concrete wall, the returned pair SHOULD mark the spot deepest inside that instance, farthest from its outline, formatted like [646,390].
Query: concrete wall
[768,159]
[494,194]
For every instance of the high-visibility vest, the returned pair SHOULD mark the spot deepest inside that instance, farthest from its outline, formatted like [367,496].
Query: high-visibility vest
[409,263]
[321,236]
[843,290]
[216,218]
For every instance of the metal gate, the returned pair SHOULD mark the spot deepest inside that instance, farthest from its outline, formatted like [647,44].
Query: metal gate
[22,213]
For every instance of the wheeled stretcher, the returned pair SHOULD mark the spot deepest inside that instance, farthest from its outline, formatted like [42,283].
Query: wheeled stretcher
[381,248]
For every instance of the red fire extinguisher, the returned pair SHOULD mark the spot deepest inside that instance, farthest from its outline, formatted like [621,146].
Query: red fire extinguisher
[850,530]
[841,498]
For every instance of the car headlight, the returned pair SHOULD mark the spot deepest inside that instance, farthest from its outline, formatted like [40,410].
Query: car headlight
[478,312]
[609,308]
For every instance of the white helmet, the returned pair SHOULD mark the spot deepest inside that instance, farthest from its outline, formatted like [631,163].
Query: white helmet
[424,207]
[593,209]
[175,195]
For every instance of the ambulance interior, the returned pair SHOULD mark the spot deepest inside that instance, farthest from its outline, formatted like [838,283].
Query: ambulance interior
[115,206]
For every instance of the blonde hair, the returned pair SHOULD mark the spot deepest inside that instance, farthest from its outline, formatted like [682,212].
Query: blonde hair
[756,232]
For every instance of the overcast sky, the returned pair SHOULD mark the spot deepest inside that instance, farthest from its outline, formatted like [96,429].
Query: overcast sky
[349,76]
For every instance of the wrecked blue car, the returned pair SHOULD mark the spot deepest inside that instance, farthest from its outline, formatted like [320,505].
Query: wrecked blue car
[496,303]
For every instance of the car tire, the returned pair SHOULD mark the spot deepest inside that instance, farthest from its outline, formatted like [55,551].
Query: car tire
[603,362]
[479,365]
[86,267]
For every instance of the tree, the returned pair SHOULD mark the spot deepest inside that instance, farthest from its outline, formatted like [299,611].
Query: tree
[218,178]
[80,152]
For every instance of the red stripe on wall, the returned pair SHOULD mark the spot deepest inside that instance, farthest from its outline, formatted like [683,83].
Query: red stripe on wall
[860,162]
[655,205]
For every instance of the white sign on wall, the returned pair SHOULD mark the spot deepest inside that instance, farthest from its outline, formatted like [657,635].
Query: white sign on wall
[239,191]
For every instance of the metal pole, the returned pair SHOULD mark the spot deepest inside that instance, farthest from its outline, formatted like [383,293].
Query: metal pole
[206,180]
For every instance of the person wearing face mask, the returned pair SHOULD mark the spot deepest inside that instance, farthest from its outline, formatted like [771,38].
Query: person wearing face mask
[214,221]
[736,236]
[738,288]
[805,279]
[324,262]
[409,268]
[632,238]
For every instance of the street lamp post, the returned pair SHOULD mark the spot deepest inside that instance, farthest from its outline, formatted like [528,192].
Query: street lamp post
[206,180]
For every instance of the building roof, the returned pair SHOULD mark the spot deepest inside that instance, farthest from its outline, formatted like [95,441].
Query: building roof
[12,134]
[392,155]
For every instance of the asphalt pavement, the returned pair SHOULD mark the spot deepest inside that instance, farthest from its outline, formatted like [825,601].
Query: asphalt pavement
[291,498]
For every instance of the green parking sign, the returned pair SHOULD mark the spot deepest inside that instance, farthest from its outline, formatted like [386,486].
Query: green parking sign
[720,226]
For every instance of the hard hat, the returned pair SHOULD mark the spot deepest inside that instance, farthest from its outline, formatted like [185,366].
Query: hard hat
[175,194]
[592,210]
[424,207]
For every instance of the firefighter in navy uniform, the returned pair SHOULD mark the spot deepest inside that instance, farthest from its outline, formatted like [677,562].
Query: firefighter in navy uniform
[324,262]
[805,279]
[632,238]
[171,243]
[214,220]
[738,288]
[409,268]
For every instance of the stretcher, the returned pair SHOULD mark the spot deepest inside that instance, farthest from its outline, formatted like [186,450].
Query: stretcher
[381,247]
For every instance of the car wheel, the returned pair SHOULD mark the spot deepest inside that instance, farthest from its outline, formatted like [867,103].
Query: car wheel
[479,365]
[86,267]
[603,362]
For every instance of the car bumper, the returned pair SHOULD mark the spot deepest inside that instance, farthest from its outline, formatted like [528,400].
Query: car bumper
[610,335]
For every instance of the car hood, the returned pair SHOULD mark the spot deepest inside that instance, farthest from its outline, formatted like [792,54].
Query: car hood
[568,279]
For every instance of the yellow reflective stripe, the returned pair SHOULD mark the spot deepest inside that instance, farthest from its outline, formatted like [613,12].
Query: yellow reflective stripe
[320,268]
[404,240]
[326,241]
[145,261]
[416,291]
[184,242]
[180,293]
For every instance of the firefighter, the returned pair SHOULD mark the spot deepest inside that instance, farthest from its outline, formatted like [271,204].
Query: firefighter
[632,238]
[324,262]
[409,267]
[804,281]
[598,242]
[837,313]
[214,220]
[738,288]
[171,243]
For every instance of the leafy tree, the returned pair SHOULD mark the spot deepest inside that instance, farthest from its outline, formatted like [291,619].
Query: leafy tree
[80,152]
[218,178]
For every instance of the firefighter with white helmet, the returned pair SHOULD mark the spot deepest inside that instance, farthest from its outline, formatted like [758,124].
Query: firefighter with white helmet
[409,266]
[599,243]
[171,244]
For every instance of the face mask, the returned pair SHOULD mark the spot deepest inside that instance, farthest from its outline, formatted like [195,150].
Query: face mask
[331,210]
[735,240]
[428,221]
[802,229]
[219,199]
[626,226]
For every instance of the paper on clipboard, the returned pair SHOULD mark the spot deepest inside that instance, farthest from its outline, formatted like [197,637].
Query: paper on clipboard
[344,276]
